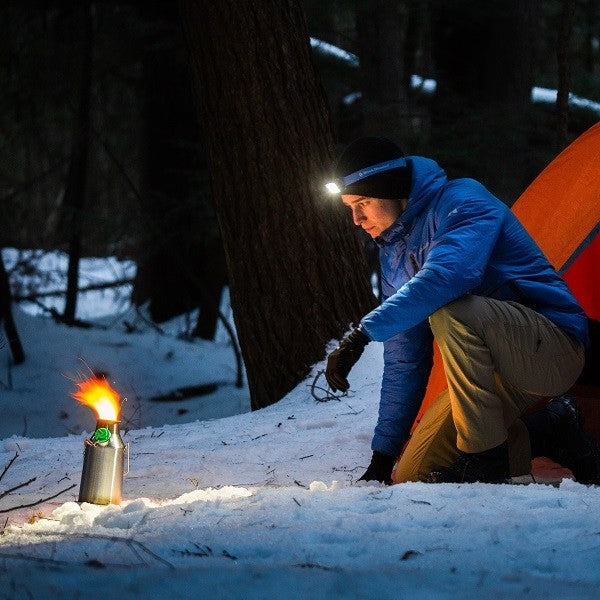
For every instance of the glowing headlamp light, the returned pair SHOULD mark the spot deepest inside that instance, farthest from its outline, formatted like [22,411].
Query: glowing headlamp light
[337,186]
[333,187]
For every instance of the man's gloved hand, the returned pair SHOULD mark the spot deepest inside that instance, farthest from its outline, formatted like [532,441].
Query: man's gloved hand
[380,468]
[343,358]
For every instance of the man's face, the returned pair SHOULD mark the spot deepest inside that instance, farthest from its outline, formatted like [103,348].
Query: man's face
[374,215]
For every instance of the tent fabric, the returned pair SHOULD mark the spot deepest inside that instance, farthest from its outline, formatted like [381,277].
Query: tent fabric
[561,207]
[561,210]
[582,277]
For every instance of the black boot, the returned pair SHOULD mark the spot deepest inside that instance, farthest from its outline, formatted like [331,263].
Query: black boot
[556,431]
[380,468]
[489,466]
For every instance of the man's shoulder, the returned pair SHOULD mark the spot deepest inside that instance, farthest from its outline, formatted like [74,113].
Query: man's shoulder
[467,186]
[467,192]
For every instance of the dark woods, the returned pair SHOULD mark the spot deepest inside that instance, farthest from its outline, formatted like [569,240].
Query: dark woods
[191,138]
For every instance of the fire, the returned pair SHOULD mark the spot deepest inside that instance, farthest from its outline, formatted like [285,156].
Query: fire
[98,395]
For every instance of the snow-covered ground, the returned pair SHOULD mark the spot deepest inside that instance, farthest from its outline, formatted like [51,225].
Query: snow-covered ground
[255,504]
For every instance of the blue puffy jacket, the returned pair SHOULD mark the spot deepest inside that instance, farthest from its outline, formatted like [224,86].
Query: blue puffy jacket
[454,238]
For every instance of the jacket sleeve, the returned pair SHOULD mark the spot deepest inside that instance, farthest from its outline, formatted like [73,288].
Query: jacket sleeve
[408,358]
[453,264]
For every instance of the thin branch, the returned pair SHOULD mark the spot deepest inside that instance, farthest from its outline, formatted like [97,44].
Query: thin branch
[25,185]
[239,382]
[150,553]
[10,462]
[148,321]
[17,487]
[329,395]
[190,391]
[109,152]
[47,561]
[88,288]
[133,544]
[41,501]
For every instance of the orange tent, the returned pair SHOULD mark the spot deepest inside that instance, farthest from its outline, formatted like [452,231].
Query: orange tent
[561,211]
[583,277]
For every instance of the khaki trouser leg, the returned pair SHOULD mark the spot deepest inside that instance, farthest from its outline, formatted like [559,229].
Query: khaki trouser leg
[500,358]
[433,445]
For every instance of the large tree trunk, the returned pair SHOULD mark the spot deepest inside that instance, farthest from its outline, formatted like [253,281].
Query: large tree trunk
[180,258]
[75,189]
[297,276]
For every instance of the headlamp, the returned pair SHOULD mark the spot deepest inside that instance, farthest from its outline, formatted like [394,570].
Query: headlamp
[338,185]
[333,187]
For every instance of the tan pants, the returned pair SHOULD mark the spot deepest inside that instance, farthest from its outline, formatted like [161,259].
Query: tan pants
[500,358]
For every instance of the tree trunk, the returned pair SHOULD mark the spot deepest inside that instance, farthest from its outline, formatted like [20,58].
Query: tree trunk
[564,69]
[75,190]
[213,274]
[381,31]
[176,250]
[6,316]
[297,277]
[590,50]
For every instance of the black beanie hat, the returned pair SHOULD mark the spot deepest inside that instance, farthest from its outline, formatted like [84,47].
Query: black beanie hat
[392,184]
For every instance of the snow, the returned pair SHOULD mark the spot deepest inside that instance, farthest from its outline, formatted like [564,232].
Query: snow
[327,49]
[140,365]
[548,96]
[221,502]
[428,85]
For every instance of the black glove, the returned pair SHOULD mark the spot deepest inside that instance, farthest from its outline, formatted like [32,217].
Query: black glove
[343,358]
[380,468]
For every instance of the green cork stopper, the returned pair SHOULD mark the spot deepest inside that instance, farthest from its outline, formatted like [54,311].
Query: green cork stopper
[102,435]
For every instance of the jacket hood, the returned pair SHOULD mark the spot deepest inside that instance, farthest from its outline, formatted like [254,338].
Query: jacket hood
[428,179]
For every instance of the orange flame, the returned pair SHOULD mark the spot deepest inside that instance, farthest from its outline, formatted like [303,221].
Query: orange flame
[98,395]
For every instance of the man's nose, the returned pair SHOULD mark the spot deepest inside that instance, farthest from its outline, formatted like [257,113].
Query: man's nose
[357,215]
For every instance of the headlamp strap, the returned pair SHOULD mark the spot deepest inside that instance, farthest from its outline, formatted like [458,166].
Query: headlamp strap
[368,171]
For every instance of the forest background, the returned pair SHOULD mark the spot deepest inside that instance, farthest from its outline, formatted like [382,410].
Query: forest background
[194,140]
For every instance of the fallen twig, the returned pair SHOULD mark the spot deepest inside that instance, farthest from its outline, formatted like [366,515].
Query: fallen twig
[42,500]
[190,391]
[88,288]
[311,565]
[239,380]
[354,412]
[329,395]
[47,561]
[134,545]
[148,321]
[16,487]
[10,462]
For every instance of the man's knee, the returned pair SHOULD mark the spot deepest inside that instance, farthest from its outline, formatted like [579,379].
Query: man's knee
[456,313]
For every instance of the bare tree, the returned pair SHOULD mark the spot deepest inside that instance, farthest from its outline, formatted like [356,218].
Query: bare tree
[6,317]
[75,189]
[381,27]
[564,72]
[297,276]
